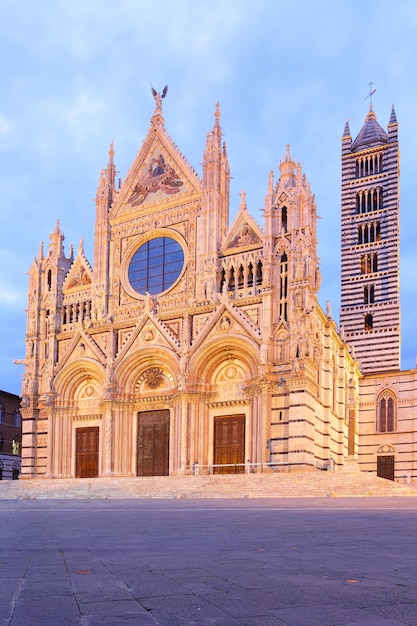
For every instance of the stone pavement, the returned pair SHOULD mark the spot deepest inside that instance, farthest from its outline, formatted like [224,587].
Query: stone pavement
[296,562]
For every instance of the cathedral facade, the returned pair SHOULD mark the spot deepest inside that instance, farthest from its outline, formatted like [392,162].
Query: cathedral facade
[193,343]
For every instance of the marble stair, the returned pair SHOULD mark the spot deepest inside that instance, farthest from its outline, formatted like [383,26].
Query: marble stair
[274,485]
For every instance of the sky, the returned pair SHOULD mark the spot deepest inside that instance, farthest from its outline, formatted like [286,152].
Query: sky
[76,75]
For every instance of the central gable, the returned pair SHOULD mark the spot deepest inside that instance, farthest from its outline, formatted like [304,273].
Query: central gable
[159,175]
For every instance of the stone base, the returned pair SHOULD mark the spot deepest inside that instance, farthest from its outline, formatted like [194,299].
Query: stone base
[351,464]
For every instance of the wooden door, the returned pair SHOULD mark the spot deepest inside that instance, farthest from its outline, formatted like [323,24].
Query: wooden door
[87,446]
[385,467]
[153,443]
[229,444]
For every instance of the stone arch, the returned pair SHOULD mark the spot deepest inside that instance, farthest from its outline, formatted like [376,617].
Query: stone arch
[80,379]
[208,362]
[281,345]
[386,449]
[148,370]
[386,411]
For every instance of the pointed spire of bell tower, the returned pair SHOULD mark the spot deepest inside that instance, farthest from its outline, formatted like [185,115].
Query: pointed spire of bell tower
[346,132]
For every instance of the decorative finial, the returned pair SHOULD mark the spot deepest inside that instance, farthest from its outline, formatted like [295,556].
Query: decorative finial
[217,114]
[370,94]
[243,206]
[158,97]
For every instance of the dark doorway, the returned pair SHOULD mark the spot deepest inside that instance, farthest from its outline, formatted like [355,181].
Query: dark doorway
[87,446]
[229,444]
[153,443]
[385,467]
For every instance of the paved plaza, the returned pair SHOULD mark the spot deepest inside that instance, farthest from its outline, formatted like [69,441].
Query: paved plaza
[295,562]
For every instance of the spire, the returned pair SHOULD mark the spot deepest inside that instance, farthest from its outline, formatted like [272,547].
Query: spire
[56,246]
[106,187]
[371,134]
[217,131]
[287,167]
[393,118]
[346,132]
[393,127]
[216,182]
[271,183]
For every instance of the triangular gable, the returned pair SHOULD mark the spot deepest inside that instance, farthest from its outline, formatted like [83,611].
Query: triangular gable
[227,319]
[81,346]
[283,198]
[79,276]
[148,332]
[281,328]
[160,173]
[244,232]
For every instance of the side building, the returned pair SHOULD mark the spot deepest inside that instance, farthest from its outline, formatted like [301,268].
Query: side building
[188,340]
[10,436]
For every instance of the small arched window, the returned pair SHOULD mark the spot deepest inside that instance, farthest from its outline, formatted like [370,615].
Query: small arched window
[284,218]
[2,413]
[259,273]
[369,321]
[386,412]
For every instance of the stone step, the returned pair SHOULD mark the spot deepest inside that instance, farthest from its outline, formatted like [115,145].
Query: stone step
[278,485]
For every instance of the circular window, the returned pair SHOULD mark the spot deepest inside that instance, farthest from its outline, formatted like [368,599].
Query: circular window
[156,266]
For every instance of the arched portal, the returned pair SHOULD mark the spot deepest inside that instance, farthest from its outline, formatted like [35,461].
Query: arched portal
[146,425]
[76,433]
[227,419]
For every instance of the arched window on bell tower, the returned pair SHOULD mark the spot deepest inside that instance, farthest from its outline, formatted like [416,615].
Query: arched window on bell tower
[369,321]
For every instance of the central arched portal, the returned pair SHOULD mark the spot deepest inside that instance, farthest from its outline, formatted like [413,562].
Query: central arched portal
[153,443]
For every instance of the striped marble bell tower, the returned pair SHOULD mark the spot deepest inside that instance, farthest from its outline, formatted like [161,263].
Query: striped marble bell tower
[370,293]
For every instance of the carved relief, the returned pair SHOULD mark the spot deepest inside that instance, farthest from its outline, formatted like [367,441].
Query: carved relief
[253,313]
[157,180]
[174,328]
[245,236]
[154,378]
[148,334]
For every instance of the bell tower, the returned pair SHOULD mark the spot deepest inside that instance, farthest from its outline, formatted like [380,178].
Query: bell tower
[370,295]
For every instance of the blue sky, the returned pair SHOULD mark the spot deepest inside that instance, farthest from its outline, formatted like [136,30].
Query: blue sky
[76,75]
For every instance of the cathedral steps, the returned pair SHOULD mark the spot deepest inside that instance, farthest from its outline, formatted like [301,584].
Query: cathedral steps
[279,485]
